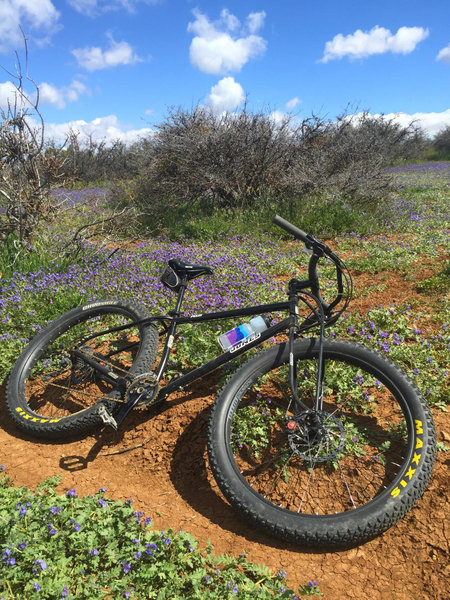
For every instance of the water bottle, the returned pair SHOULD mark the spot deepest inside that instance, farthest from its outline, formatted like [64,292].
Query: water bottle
[243,334]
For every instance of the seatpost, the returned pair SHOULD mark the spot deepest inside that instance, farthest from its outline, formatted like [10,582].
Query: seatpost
[180,297]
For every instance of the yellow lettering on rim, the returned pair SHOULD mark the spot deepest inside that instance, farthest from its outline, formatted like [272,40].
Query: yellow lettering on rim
[395,492]
[28,417]
[415,460]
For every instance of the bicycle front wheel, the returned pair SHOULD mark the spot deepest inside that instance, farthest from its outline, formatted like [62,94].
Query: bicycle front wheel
[330,477]
[53,393]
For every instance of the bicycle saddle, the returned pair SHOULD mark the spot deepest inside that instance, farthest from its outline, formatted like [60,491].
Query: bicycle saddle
[183,269]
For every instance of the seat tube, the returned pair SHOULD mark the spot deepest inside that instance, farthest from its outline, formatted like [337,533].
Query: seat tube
[171,331]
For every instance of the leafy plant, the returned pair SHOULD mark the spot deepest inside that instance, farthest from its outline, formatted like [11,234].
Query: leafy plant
[66,546]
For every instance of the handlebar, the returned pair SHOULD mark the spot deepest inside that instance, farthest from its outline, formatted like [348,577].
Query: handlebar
[292,229]
[318,250]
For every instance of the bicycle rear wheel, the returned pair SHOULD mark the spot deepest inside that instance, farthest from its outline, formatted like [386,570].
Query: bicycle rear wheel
[51,393]
[330,478]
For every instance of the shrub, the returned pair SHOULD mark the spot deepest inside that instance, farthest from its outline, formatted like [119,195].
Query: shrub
[63,546]
[247,161]
[441,143]
[26,171]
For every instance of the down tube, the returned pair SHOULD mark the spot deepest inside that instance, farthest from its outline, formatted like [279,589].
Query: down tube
[221,360]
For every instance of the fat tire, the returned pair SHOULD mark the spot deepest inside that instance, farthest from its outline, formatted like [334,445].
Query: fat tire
[349,527]
[84,421]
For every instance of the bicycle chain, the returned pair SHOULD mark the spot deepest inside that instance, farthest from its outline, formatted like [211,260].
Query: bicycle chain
[101,397]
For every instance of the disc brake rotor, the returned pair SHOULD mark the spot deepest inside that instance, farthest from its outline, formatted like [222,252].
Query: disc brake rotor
[315,437]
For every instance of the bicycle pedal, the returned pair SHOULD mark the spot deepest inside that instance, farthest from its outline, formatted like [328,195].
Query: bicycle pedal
[107,417]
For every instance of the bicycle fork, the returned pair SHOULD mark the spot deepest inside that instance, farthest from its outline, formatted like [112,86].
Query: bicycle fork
[295,287]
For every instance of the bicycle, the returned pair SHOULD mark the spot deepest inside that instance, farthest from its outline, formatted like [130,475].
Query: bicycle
[318,441]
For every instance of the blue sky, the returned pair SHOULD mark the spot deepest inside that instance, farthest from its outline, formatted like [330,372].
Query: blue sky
[114,68]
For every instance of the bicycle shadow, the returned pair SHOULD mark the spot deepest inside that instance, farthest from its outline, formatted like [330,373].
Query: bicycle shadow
[200,491]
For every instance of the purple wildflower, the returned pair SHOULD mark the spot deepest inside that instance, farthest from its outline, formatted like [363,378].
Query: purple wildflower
[126,567]
[41,563]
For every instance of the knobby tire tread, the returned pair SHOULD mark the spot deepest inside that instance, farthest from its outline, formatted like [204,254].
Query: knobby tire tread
[347,529]
[87,421]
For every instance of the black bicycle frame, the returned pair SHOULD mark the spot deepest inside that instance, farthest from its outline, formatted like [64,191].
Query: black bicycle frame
[181,381]
[175,319]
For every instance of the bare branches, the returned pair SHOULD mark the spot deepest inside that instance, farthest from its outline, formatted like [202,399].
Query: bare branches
[441,143]
[26,171]
[238,160]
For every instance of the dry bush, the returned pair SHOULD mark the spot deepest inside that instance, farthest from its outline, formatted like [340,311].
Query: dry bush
[441,142]
[236,161]
[27,172]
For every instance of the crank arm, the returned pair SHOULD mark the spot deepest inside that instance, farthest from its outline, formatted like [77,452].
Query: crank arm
[127,408]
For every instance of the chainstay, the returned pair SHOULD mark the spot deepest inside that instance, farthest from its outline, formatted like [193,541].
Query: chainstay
[98,396]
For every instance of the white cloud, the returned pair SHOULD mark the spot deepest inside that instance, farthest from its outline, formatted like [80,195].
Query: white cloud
[37,17]
[94,58]
[376,41]
[278,116]
[216,48]
[59,97]
[444,54]
[48,94]
[226,95]
[8,93]
[255,21]
[93,8]
[85,7]
[107,128]
[292,103]
[431,122]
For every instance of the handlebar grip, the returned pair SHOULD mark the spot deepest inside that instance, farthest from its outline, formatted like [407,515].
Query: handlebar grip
[292,229]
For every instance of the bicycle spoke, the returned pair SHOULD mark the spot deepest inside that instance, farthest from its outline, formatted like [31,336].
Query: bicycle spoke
[334,461]
[75,385]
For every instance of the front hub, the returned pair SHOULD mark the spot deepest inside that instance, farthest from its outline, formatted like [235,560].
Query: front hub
[315,436]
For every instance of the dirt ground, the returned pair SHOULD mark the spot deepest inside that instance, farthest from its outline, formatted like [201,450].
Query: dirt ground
[161,463]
